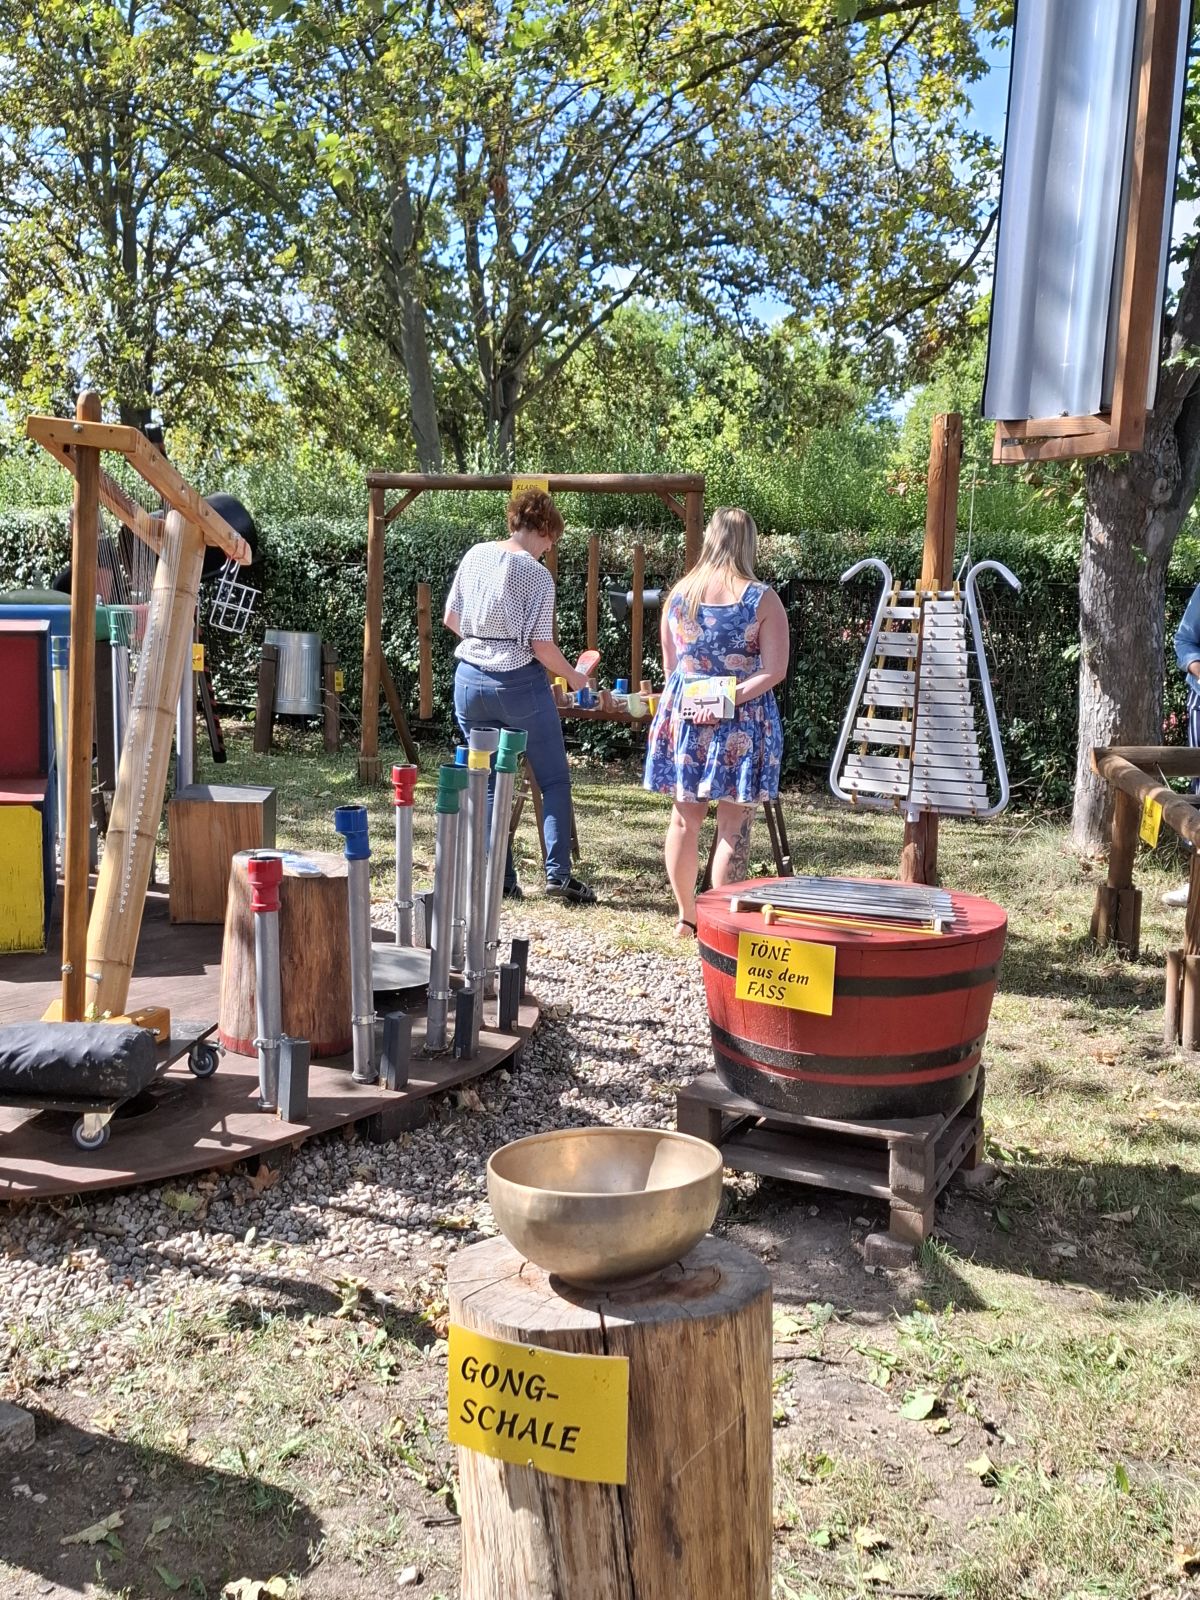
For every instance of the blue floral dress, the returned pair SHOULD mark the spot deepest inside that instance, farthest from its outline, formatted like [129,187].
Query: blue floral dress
[733,760]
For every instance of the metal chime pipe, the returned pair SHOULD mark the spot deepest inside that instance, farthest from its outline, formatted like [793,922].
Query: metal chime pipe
[265,872]
[482,745]
[404,783]
[120,702]
[451,782]
[351,823]
[458,946]
[60,655]
[512,748]
[185,730]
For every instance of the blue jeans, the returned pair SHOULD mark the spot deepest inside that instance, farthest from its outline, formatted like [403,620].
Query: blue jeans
[522,700]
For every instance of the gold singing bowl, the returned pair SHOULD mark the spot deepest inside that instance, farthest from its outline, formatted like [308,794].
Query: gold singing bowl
[602,1206]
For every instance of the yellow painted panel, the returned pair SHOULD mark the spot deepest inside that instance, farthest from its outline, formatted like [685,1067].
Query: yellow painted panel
[22,903]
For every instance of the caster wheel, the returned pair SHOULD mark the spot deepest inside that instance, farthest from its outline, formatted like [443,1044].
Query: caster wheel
[90,1141]
[203,1060]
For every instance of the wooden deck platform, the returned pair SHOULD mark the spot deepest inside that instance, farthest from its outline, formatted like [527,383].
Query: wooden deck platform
[185,1124]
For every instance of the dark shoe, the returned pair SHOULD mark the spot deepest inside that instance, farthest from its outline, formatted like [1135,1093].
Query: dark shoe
[574,892]
[514,893]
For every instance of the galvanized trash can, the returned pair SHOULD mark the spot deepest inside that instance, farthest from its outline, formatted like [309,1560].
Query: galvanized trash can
[298,683]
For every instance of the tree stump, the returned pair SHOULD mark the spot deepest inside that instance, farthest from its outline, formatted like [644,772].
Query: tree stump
[314,956]
[694,1516]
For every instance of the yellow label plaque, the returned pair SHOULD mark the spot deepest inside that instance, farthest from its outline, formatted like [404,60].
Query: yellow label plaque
[777,971]
[1151,822]
[519,486]
[339,680]
[563,1414]
[197,658]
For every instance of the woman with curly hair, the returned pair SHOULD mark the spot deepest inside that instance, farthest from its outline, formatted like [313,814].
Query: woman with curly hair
[501,605]
[718,621]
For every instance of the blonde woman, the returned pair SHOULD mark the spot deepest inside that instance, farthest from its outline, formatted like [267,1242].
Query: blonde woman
[718,621]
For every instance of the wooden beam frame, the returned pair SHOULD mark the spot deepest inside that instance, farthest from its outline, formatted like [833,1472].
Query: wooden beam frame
[1123,427]
[682,493]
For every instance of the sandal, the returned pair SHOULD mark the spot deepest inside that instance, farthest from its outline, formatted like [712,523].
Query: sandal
[573,891]
[681,923]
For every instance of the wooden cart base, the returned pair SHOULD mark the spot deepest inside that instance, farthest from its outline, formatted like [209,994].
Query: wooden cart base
[907,1162]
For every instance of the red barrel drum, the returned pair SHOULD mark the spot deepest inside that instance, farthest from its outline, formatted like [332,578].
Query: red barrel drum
[910,1010]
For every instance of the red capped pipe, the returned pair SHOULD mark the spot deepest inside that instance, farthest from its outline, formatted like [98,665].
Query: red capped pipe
[265,872]
[404,784]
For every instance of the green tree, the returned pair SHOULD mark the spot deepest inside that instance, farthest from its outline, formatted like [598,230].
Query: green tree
[131,259]
[500,177]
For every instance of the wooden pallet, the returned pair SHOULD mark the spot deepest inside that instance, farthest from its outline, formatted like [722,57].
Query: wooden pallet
[907,1162]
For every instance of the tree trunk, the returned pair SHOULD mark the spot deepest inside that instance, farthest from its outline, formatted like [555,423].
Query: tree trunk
[1129,530]
[414,341]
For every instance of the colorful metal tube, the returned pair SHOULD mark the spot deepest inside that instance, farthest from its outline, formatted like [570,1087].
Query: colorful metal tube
[265,872]
[404,783]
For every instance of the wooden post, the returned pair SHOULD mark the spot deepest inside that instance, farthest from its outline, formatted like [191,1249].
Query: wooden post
[137,804]
[368,750]
[918,857]
[332,699]
[1117,913]
[693,527]
[593,591]
[392,695]
[425,650]
[1171,998]
[694,1516]
[637,613]
[85,535]
[264,707]
[552,569]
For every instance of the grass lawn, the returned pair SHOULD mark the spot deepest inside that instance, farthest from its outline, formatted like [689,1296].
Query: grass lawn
[1015,1416]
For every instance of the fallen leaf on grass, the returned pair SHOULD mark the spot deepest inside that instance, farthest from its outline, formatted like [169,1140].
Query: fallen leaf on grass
[168,1577]
[869,1538]
[918,1404]
[466,1100]
[1193,1200]
[1121,1478]
[940,1424]
[878,1572]
[984,1468]
[1003,1220]
[1188,1560]
[1065,1252]
[255,1589]
[179,1201]
[98,1532]
[1120,1216]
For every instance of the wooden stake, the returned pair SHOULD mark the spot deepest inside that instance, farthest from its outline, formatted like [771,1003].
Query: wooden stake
[137,804]
[1171,998]
[918,857]
[693,527]
[425,650]
[85,535]
[333,699]
[264,709]
[368,749]
[593,591]
[637,613]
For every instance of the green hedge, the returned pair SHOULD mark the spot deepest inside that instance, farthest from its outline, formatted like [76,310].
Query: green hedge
[312,571]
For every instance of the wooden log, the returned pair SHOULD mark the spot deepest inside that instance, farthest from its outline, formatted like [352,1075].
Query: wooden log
[85,536]
[137,804]
[593,591]
[1189,1030]
[314,956]
[919,853]
[425,651]
[694,1517]
[941,503]
[368,748]
[1126,822]
[264,707]
[1191,917]
[392,695]
[1167,760]
[556,482]
[637,613]
[1178,811]
[332,697]
[1172,998]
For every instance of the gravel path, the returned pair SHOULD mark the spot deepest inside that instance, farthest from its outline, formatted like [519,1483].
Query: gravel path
[619,1032]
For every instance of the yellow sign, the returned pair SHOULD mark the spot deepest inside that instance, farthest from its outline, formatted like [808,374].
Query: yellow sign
[563,1414]
[1151,822]
[777,971]
[519,486]
[197,658]
[339,680]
